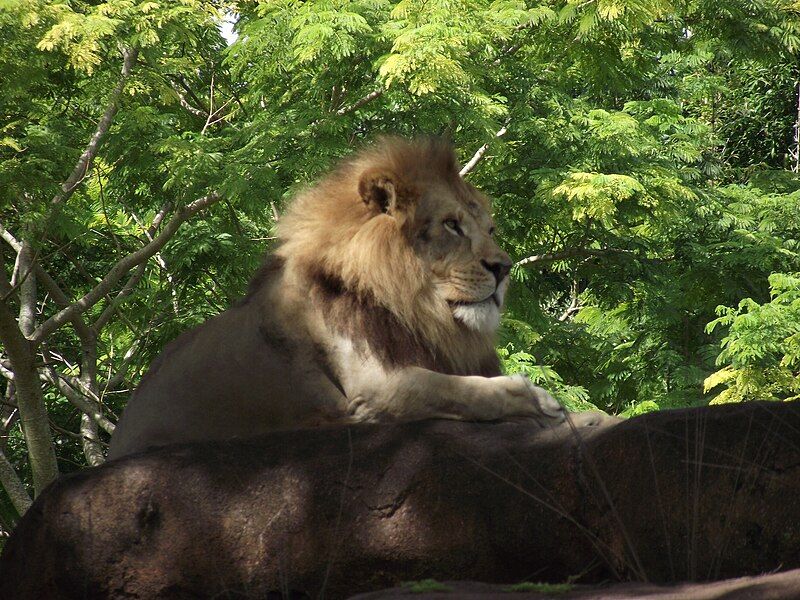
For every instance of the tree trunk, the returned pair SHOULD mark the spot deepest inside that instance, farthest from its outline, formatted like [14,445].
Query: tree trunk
[13,486]
[90,436]
[32,410]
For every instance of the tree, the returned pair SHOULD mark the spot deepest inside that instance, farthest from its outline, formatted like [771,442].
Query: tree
[55,171]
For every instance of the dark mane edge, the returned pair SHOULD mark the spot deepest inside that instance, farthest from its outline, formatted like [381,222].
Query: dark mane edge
[271,265]
[371,326]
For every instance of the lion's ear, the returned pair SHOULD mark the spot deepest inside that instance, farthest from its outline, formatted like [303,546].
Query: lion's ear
[380,189]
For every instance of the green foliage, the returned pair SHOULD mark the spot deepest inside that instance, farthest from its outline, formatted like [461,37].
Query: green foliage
[426,586]
[761,353]
[640,409]
[574,397]
[541,588]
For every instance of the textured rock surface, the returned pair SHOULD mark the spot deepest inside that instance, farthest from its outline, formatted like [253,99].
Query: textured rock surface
[693,494]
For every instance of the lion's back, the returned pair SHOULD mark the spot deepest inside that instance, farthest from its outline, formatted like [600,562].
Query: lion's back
[236,375]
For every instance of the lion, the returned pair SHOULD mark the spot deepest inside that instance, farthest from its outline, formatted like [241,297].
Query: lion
[379,304]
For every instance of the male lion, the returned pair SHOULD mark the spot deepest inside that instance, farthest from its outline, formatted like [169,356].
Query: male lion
[379,304]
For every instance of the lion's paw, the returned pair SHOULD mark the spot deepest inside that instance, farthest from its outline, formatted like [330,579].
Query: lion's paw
[594,418]
[529,401]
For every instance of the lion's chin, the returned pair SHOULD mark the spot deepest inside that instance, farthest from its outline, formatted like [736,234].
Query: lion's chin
[483,316]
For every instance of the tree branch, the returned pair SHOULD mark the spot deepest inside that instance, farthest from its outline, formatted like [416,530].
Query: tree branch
[574,305]
[5,370]
[113,305]
[13,486]
[83,331]
[129,286]
[90,439]
[360,102]
[14,276]
[77,397]
[544,259]
[481,151]
[27,290]
[192,95]
[116,380]
[122,267]
[10,239]
[85,161]
[185,104]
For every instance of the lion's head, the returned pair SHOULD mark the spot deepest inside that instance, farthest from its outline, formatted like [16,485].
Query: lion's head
[400,229]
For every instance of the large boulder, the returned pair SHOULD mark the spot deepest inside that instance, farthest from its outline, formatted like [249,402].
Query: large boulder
[695,494]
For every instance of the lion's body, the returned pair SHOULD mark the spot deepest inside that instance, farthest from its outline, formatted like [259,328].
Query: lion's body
[380,303]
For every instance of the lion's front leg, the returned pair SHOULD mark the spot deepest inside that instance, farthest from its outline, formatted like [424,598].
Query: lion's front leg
[414,393]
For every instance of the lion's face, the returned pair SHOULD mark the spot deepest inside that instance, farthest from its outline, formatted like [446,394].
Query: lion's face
[448,224]
[455,239]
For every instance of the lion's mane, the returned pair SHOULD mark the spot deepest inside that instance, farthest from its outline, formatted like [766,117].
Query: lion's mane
[362,270]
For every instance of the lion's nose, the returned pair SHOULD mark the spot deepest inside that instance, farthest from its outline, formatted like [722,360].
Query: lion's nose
[500,269]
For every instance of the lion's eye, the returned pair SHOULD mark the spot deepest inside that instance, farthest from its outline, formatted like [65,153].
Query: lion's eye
[453,227]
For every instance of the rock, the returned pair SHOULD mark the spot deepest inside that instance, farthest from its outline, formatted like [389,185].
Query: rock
[696,494]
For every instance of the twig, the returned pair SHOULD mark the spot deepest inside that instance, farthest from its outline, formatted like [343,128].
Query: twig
[105,211]
[114,381]
[574,305]
[481,151]
[513,48]
[211,111]
[571,253]
[149,233]
[76,436]
[113,304]
[212,114]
